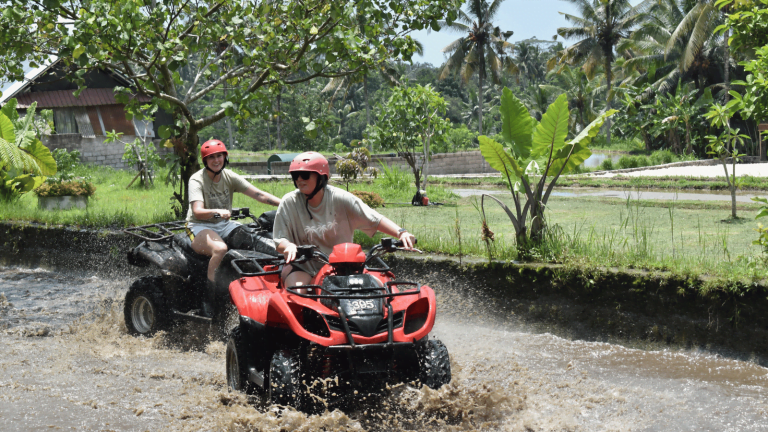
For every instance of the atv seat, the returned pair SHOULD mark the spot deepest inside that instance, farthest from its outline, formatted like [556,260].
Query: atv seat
[182,240]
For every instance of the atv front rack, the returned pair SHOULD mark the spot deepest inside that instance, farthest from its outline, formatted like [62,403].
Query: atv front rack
[259,263]
[333,296]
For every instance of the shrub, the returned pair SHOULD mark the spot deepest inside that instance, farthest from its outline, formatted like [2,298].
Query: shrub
[66,162]
[74,187]
[660,157]
[607,164]
[371,198]
[627,162]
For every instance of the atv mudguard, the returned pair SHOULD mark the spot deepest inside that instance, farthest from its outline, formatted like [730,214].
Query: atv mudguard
[259,299]
[163,255]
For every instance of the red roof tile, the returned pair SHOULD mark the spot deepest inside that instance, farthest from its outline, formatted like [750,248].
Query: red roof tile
[65,98]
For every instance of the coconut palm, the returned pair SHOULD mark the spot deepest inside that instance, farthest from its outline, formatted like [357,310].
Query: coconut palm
[484,47]
[602,24]
[583,93]
[664,53]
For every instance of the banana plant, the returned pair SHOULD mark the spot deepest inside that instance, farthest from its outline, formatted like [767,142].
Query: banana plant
[24,160]
[533,152]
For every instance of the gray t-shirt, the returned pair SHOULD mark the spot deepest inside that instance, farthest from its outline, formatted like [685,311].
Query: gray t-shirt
[214,195]
[333,222]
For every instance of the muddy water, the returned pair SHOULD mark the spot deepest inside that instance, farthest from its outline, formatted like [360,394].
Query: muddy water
[66,363]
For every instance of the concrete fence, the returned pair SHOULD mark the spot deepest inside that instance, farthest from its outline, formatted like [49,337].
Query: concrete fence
[95,150]
[470,162]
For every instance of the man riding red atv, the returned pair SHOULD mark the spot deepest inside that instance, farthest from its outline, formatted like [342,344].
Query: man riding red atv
[328,310]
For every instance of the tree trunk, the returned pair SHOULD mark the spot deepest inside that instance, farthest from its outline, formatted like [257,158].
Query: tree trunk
[608,102]
[279,144]
[425,170]
[480,82]
[187,167]
[726,74]
[648,141]
[228,122]
[367,108]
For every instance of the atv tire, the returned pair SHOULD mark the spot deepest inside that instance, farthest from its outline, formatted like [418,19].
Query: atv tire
[434,364]
[285,380]
[145,310]
[239,357]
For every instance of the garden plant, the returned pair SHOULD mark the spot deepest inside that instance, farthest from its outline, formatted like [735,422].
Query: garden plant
[537,151]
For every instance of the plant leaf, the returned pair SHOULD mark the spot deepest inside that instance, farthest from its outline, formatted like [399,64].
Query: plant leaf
[516,124]
[9,109]
[7,131]
[498,158]
[551,132]
[42,157]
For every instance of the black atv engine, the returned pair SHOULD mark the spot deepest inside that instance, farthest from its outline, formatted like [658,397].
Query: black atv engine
[365,315]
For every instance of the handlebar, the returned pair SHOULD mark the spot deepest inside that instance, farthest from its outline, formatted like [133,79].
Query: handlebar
[238,213]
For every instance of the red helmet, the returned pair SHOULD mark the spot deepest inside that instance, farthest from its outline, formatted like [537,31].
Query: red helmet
[212,147]
[310,161]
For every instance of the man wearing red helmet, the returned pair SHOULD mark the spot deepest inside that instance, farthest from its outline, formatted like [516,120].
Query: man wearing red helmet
[322,215]
[210,204]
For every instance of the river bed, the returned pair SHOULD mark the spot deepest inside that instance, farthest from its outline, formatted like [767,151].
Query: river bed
[68,364]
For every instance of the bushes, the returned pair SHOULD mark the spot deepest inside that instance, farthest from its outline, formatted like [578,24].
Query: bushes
[371,198]
[74,187]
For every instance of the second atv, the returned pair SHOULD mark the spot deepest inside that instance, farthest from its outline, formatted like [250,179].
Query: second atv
[354,329]
[154,303]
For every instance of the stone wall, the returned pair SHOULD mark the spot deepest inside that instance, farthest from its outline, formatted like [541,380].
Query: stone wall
[470,162]
[95,150]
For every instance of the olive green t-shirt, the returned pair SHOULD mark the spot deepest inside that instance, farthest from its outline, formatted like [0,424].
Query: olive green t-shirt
[214,195]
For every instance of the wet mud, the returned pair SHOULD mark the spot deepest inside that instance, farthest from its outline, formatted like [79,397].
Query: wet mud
[68,363]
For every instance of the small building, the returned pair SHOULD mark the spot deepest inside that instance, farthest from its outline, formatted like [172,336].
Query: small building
[81,122]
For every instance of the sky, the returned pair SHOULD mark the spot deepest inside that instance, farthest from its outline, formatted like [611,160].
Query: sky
[527,18]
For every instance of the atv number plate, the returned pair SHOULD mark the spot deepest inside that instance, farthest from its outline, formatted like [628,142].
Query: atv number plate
[362,304]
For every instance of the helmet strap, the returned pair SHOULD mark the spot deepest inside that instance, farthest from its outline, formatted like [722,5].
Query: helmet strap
[215,173]
[322,182]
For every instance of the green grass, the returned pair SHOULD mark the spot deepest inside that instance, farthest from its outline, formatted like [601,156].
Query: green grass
[681,237]
[684,237]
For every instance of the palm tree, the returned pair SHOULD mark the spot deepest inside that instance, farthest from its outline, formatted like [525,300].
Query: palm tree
[602,24]
[663,53]
[483,47]
[582,93]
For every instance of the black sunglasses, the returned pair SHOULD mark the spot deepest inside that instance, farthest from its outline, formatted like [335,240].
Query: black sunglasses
[303,174]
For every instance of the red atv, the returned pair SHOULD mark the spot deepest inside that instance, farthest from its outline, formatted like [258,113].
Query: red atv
[355,328]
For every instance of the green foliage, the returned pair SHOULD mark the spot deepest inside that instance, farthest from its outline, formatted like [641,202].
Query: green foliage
[24,160]
[394,178]
[457,138]
[372,199]
[762,239]
[544,152]
[64,188]
[410,122]
[66,161]
[179,53]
